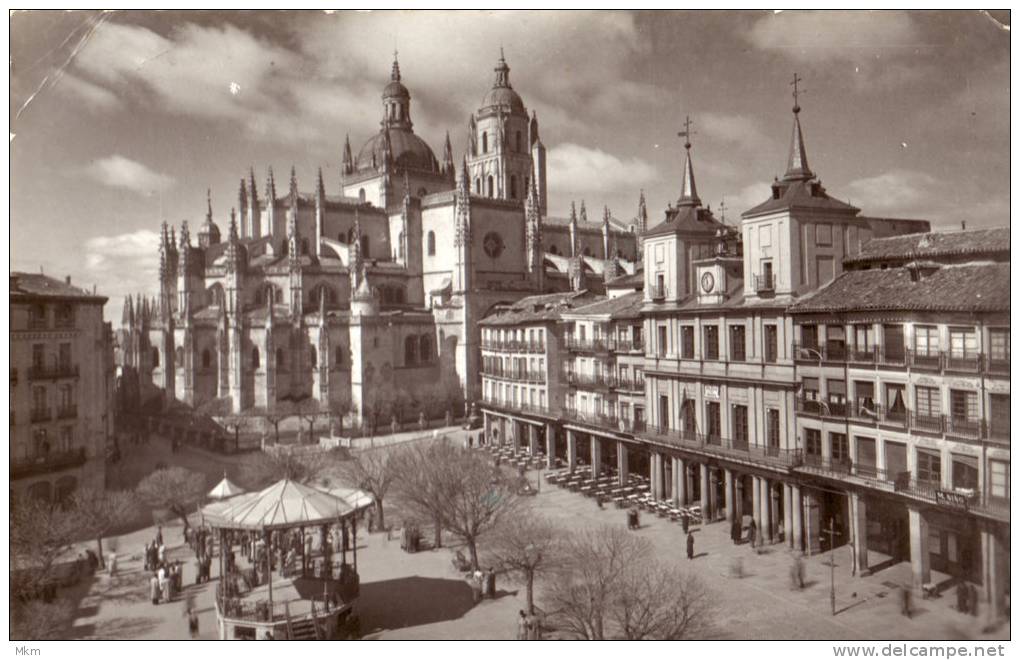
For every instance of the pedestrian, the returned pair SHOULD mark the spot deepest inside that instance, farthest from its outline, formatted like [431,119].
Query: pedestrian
[534,628]
[192,623]
[905,598]
[685,522]
[972,600]
[797,572]
[159,535]
[161,553]
[735,531]
[752,533]
[690,545]
[154,589]
[112,563]
[522,625]
[962,593]
[490,580]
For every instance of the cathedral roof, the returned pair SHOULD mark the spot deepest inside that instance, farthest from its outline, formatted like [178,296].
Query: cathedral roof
[502,94]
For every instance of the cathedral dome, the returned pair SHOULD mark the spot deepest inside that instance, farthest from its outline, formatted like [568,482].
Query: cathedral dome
[506,97]
[407,150]
[395,89]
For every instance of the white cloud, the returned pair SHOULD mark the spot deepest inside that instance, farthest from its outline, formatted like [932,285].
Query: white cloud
[576,169]
[836,35]
[748,197]
[94,96]
[122,264]
[117,171]
[737,129]
[895,191]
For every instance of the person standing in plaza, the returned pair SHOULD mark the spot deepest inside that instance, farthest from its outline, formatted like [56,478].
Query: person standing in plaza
[752,533]
[690,545]
[159,535]
[192,623]
[522,625]
[735,531]
[154,589]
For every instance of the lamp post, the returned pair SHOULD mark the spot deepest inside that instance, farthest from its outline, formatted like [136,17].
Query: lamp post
[832,564]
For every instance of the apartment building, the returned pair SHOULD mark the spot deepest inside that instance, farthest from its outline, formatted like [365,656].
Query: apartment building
[61,387]
[903,373]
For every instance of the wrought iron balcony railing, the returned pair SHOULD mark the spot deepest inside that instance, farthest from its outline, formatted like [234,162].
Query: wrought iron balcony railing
[47,462]
[766,282]
[53,372]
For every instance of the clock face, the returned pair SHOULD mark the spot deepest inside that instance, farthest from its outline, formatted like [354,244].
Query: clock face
[707,282]
[493,244]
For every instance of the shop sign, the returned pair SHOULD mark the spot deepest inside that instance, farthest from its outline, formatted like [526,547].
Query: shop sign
[951,499]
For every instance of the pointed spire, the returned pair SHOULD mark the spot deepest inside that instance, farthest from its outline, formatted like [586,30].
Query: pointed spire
[252,190]
[584,214]
[688,189]
[233,226]
[242,197]
[126,314]
[320,189]
[448,166]
[796,164]
[395,72]
[533,129]
[348,159]
[293,193]
[208,206]
[270,187]
[502,71]
[642,214]
[605,217]
[186,234]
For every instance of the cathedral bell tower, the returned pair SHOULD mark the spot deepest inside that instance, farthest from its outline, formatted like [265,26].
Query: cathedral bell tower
[501,145]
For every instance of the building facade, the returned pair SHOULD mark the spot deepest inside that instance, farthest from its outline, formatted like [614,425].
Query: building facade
[61,394]
[841,379]
[372,295]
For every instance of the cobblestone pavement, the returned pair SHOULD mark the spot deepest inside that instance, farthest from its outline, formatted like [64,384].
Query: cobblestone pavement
[421,596]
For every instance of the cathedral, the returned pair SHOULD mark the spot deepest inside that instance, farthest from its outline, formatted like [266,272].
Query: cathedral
[370,296]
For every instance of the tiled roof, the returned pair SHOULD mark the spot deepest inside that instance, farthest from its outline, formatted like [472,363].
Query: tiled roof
[935,244]
[627,281]
[615,225]
[36,284]
[686,220]
[627,306]
[967,288]
[800,194]
[546,307]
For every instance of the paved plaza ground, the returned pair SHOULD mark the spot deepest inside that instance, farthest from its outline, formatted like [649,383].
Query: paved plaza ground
[421,596]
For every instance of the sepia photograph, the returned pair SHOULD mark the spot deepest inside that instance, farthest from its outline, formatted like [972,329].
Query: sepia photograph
[510,325]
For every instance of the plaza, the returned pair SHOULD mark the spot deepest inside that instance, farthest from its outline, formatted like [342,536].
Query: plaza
[421,596]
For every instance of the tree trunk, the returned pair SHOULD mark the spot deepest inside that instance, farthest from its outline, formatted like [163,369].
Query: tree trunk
[183,515]
[473,549]
[437,525]
[99,545]
[276,430]
[531,592]
[380,523]
[237,438]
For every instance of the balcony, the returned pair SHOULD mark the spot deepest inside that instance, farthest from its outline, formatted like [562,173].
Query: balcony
[738,449]
[932,491]
[844,468]
[599,381]
[970,364]
[927,423]
[863,355]
[924,361]
[525,376]
[657,292]
[630,384]
[48,462]
[821,408]
[968,428]
[52,372]
[594,345]
[41,415]
[765,283]
[630,345]
[998,365]
[512,345]
[67,412]
[510,406]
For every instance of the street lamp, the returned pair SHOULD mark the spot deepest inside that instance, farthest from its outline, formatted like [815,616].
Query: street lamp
[832,564]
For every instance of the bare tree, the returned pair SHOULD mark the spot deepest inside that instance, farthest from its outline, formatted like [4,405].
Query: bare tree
[40,534]
[580,594]
[373,471]
[478,497]
[527,546]
[610,585]
[266,467]
[308,410]
[235,424]
[175,489]
[101,512]
[339,409]
[420,484]
[658,601]
[38,620]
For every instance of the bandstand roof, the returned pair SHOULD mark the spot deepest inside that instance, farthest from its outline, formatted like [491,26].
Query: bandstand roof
[284,504]
[224,489]
[355,497]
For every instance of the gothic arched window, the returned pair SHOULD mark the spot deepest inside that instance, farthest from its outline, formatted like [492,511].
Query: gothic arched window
[492,187]
[400,244]
[431,243]
[478,185]
[339,357]
[513,186]
[313,357]
[206,359]
[485,142]
[517,142]
[255,357]
[426,349]
[179,357]
[361,195]
[364,247]
[304,246]
[155,357]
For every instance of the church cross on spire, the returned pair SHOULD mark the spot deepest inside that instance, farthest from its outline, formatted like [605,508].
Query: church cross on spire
[688,189]
[395,73]
[687,132]
[796,92]
[797,165]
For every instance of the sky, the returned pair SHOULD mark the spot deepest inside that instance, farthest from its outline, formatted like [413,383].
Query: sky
[121,120]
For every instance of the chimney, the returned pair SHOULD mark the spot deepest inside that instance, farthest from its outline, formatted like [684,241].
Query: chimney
[67,279]
[963,225]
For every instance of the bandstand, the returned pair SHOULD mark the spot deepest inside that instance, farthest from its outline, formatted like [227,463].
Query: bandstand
[287,571]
